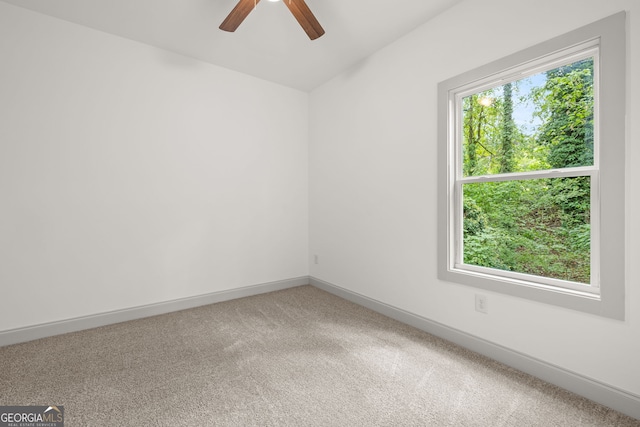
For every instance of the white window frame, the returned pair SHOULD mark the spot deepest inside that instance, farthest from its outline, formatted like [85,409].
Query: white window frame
[605,42]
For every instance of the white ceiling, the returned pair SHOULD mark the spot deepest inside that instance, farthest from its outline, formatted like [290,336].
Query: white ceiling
[269,44]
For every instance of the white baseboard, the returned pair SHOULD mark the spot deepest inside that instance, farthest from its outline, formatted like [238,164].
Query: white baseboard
[34,332]
[615,398]
[607,395]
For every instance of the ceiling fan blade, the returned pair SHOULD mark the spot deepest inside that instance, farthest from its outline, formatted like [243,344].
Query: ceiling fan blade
[305,18]
[237,15]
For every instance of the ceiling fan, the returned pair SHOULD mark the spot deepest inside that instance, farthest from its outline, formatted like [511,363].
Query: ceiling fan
[298,8]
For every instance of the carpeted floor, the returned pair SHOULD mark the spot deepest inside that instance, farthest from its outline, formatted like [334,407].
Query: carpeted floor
[298,357]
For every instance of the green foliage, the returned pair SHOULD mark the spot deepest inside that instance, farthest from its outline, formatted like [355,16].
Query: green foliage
[566,109]
[480,129]
[508,138]
[474,219]
[534,226]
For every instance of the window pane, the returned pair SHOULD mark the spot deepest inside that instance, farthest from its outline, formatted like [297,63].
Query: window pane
[536,226]
[544,121]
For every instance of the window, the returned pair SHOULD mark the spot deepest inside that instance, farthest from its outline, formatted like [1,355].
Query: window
[531,172]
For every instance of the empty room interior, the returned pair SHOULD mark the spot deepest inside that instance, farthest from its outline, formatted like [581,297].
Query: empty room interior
[153,165]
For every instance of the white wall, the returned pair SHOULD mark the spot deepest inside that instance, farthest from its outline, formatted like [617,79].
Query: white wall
[130,175]
[373,188]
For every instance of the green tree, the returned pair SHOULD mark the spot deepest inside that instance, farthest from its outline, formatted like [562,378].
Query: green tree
[566,107]
[508,134]
[478,131]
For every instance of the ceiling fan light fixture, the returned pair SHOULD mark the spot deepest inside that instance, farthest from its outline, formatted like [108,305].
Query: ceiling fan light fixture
[298,8]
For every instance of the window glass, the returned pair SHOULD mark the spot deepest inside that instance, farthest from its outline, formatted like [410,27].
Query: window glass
[543,121]
[539,227]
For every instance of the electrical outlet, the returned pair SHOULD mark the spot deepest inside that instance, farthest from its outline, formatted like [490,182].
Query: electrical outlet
[481,304]
[315,259]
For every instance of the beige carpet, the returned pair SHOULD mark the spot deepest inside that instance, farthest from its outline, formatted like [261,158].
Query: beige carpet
[298,357]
